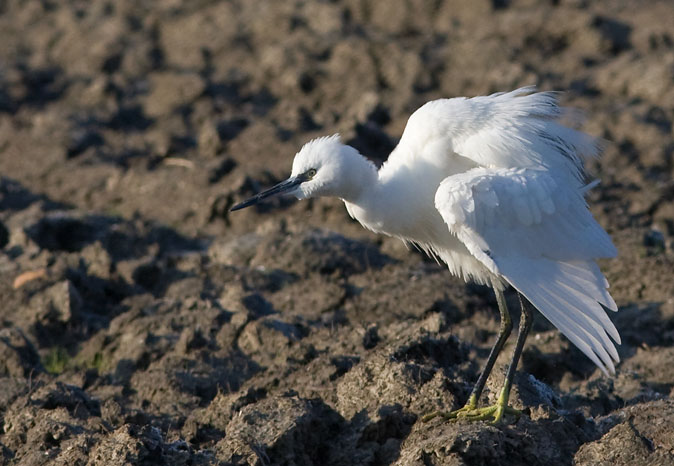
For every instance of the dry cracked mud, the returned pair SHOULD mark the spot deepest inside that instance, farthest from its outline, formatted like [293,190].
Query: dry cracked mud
[141,323]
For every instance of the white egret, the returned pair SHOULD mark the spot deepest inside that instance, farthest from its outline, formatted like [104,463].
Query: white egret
[494,187]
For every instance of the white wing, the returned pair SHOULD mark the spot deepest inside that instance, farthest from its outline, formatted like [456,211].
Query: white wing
[536,231]
[505,130]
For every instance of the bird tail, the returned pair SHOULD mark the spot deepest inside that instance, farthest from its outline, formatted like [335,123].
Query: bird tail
[572,295]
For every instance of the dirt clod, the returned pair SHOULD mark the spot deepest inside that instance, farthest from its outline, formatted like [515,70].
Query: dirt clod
[142,322]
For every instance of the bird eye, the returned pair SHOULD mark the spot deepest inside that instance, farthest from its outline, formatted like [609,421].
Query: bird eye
[310,173]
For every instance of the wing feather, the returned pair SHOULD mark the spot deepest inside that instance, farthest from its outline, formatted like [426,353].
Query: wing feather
[504,130]
[543,240]
[568,319]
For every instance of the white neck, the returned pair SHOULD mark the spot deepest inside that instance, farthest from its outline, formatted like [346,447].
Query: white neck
[388,203]
[358,179]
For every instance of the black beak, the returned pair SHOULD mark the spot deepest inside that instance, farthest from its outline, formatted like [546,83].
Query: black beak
[281,188]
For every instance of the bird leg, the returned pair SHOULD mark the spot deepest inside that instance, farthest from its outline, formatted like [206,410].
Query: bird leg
[526,319]
[503,334]
[501,408]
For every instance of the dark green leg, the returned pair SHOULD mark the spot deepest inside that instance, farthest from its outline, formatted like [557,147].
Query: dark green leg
[497,411]
[526,319]
[503,334]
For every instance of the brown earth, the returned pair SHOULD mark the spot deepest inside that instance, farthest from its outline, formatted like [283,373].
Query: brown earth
[142,323]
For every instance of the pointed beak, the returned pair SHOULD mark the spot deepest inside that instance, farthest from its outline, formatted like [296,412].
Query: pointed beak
[284,187]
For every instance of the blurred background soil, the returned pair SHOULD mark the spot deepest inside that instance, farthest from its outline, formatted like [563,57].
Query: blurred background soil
[142,323]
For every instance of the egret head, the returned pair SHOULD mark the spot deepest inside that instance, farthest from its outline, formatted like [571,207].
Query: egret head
[323,167]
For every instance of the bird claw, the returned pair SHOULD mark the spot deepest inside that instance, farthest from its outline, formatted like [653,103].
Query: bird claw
[495,413]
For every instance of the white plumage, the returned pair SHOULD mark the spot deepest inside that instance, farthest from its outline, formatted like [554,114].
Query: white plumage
[539,236]
[494,187]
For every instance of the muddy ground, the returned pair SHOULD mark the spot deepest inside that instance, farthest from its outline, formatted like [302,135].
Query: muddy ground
[144,324]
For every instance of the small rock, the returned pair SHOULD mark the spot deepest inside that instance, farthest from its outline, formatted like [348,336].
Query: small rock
[395,383]
[229,332]
[642,437]
[98,260]
[280,430]
[60,395]
[189,340]
[17,354]
[131,444]
[267,340]
[57,304]
[112,411]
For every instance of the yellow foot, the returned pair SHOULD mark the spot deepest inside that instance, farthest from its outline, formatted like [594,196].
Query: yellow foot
[492,413]
[471,412]
[470,405]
